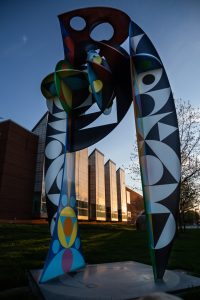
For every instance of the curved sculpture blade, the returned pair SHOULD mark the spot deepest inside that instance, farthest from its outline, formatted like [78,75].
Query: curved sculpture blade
[158,146]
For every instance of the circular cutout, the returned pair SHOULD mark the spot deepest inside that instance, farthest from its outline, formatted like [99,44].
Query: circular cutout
[53,149]
[103,31]
[77,23]
[148,79]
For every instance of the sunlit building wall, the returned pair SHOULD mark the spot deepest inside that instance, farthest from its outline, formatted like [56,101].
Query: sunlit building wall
[97,186]
[39,200]
[128,201]
[111,191]
[81,173]
[121,195]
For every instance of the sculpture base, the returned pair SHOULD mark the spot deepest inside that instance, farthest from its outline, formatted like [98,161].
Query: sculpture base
[120,280]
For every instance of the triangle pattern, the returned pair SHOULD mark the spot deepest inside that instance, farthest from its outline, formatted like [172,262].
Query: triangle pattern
[160,98]
[165,130]
[62,218]
[68,239]
[158,223]
[59,137]
[148,150]
[105,119]
[153,134]
[166,178]
[170,202]
[134,41]
[87,102]
[54,198]
[53,189]
[92,109]
[59,125]
[145,124]
[135,29]
[167,156]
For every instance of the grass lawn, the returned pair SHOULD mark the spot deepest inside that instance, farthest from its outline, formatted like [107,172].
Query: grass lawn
[24,247]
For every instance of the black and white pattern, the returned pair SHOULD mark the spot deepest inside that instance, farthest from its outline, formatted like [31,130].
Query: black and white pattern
[54,157]
[158,143]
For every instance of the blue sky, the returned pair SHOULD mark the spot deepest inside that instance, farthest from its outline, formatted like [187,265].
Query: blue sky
[31,46]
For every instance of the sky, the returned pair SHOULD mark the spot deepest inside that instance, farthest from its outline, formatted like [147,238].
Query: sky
[31,45]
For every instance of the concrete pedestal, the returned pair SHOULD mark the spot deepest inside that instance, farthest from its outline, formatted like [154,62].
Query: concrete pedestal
[121,280]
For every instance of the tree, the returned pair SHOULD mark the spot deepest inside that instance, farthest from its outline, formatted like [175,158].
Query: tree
[189,128]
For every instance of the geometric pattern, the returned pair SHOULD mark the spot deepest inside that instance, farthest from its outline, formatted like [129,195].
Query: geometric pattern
[65,249]
[88,95]
[159,146]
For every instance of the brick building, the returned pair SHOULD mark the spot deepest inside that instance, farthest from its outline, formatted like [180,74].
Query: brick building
[18,151]
[135,204]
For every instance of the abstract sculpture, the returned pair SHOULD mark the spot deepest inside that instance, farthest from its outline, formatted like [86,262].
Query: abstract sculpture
[104,74]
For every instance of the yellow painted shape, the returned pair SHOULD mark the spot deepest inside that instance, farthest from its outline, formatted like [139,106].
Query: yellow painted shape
[70,213]
[97,85]
[73,236]
[61,234]
[97,60]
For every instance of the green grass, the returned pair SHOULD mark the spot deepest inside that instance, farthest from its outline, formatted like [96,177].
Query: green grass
[24,247]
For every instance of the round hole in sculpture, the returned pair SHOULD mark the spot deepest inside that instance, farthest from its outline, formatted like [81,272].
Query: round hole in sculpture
[148,79]
[103,31]
[77,23]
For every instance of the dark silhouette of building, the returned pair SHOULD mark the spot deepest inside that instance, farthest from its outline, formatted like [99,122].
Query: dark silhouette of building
[18,151]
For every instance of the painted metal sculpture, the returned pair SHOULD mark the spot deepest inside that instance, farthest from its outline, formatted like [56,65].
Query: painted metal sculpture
[104,74]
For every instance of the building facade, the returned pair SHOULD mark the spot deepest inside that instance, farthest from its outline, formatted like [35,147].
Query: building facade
[135,205]
[81,177]
[81,173]
[18,151]
[121,195]
[39,200]
[111,191]
[100,191]
[97,186]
